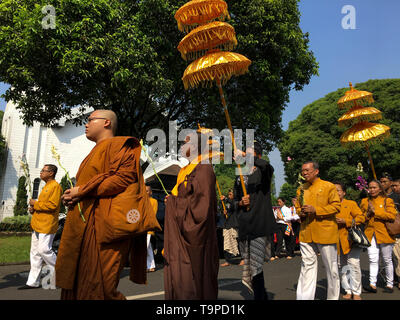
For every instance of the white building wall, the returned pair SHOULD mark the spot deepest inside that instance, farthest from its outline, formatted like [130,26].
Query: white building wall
[69,140]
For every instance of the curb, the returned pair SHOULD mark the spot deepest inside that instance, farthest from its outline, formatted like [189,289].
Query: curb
[15,233]
[5,264]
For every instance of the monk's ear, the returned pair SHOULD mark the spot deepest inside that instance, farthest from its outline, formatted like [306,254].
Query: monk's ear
[107,124]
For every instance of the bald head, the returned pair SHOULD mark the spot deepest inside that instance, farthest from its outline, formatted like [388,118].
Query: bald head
[109,115]
[102,124]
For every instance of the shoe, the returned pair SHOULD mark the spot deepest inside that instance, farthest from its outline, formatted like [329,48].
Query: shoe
[356,297]
[241,263]
[347,296]
[388,289]
[151,270]
[248,285]
[370,288]
[25,287]
[226,264]
[289,257]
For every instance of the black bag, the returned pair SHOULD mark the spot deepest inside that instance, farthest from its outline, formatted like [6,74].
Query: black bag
[358,237]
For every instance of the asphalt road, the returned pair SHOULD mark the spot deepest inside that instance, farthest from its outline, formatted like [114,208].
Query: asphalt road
[280,278]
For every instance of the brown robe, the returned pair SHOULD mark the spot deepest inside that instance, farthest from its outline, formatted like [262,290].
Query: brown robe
[86,268]
[190,239]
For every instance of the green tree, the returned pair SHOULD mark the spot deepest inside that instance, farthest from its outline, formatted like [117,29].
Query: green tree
[21,205]
[287,192]
[122,55]
[315,135]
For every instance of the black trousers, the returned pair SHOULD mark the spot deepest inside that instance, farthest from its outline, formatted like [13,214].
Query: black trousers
[290,241]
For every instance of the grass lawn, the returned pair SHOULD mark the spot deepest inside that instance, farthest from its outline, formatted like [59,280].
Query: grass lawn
[14,248]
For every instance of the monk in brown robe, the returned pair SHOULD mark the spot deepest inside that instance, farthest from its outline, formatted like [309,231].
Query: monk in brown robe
[88,268]
[190,239]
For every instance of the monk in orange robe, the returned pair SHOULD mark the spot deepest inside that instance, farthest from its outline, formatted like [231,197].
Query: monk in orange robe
[190,237]
[88,268]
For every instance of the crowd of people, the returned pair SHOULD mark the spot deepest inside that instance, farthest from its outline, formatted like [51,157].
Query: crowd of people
[106,225]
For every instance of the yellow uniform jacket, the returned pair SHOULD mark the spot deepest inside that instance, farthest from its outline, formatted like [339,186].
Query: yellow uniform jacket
[322,227]
[349,210]
[376,224]
[47,208]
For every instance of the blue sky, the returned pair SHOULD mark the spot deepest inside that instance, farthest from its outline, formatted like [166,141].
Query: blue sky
[370,51]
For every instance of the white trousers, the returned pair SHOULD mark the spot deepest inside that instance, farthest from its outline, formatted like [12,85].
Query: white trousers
[150,256]
[396,257]
[373,254]
[307,282]
[350,271]
[41,251]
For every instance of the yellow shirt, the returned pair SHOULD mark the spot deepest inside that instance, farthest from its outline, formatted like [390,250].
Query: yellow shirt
[376,224]
[322,227]
[349,210]
[47,208]
[154,204]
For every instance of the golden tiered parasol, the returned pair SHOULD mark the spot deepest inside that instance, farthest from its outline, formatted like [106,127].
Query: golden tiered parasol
[209,37]
[362,132]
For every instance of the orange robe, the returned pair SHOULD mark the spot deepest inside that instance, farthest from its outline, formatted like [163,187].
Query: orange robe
[376,224]
[349,210]
[86,268]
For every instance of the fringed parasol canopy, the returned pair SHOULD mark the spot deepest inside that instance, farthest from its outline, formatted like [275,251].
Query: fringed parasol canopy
[214,35]
[198,12]
[213,66]
[355,97]
[364,133]
[359,114]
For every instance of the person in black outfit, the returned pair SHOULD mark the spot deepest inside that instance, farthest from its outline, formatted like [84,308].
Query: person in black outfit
[256,219]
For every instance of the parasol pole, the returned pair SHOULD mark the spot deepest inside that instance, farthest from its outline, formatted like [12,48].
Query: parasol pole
[370,161]
[220,195]
[228,120]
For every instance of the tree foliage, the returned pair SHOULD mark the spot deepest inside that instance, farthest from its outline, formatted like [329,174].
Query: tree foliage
[315,135]
[122,55]
[21,205]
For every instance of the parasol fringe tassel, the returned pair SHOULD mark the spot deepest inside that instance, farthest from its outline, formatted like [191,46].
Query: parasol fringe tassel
[373,141]
[206,10]
[209,39]
[224,74]
[361,118]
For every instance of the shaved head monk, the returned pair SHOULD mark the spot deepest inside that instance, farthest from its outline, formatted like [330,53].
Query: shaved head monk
[88,267]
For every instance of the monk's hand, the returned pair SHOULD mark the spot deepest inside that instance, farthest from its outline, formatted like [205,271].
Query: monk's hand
[70,197]
[31,210]
[308,210]
[32,202]
[222,197]
[166,198]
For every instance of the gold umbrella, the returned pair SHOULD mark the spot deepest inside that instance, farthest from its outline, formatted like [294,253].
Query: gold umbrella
[198,12]
[362,132]
[355,97]
[214,65]
[209,36]
[358,114]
